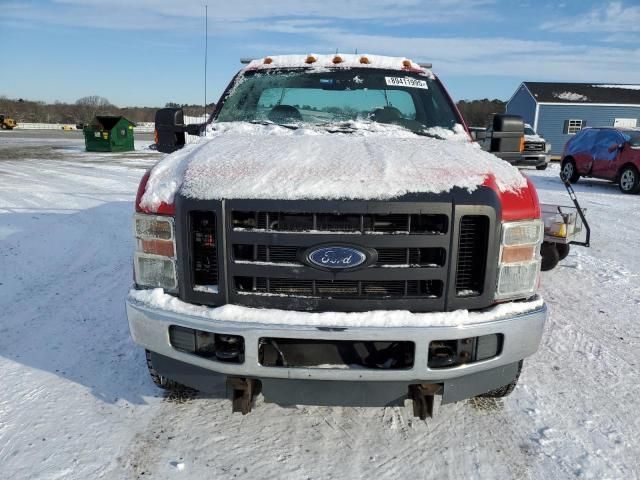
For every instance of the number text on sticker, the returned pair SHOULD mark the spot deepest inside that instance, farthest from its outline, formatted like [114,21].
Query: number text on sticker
[406,82]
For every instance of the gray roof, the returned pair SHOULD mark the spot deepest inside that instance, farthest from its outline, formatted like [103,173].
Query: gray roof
[557,92]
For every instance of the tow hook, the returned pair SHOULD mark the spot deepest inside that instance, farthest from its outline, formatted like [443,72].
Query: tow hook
[243,393]
[422,396]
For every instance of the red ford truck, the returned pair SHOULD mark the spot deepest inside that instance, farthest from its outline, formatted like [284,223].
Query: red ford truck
[332,236]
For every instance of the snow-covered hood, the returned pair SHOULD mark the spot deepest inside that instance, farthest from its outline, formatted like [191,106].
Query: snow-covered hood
[256,162]
[533,138]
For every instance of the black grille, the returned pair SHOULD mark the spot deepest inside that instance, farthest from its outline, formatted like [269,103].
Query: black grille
[436,224]
[340,288]
[412,247]
[204,248]
[472,255]
[533,147]
[415,257]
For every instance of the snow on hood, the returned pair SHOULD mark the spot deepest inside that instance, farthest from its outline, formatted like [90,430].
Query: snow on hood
[533,138]
[249,161]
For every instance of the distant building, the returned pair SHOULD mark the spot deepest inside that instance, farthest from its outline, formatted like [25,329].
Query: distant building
[558,110]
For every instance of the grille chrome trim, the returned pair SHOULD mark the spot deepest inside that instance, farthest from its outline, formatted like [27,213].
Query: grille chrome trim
[534,146]
[266,282]
[412,257]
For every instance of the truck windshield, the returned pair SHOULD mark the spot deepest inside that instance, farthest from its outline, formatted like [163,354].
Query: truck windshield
[305,98]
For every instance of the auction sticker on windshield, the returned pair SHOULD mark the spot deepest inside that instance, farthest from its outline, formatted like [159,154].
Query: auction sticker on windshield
[406,82]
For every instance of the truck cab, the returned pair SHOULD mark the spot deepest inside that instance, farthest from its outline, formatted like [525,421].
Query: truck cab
[332,236]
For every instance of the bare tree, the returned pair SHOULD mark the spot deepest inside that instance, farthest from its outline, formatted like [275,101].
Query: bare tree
[92,105]
[478,113]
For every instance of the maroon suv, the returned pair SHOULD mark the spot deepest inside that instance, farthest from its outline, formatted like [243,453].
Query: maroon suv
[608,153]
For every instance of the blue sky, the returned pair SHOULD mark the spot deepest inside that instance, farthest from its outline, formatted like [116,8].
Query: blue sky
[149,52]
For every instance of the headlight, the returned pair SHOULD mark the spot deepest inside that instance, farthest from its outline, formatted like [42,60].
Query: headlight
[154,262]
[519,263]
[155,271]
[522,233]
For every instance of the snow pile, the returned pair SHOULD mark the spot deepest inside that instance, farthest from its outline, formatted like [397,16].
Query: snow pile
[270,162]
[571,96]
[627,87]
[324,62]
[156,298]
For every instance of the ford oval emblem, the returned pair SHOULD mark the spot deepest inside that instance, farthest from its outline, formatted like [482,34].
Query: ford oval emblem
[336,257]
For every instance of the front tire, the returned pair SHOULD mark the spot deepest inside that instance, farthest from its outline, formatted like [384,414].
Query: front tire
[164,382]
[563,250]
[542,167]
[629,180]
[506,389]
[550,256]
[568,170]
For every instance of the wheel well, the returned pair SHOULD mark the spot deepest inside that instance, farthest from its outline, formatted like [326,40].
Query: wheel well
[628,164]
[568,157]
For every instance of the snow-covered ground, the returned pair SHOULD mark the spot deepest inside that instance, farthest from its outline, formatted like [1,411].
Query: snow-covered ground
[76,401]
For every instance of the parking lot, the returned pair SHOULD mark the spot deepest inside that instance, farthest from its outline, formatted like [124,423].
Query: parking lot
[76,397]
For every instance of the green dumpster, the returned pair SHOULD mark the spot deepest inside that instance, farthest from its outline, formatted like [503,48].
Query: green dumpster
[108,133]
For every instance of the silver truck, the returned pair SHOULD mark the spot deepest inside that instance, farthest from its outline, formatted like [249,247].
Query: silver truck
[533,151]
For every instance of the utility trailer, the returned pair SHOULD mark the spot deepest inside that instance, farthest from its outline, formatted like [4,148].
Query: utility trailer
[563,226]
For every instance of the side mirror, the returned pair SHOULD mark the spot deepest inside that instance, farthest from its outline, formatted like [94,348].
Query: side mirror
[507,138]
[170,129]
[477,133]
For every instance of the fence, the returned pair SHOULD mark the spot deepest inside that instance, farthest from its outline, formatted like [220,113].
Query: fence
[199,119]
[44,126]
[142,127]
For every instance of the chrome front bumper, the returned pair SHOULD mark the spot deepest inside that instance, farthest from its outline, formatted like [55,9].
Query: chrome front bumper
[522,333]
[534,159]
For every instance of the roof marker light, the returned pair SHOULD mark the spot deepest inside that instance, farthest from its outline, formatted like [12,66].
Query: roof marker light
[268,61]
[365,60]
[311,59]
[337,59]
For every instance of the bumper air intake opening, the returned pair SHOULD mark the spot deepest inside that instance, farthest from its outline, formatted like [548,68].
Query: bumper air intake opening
[344,354]
[452,353]
[213,346]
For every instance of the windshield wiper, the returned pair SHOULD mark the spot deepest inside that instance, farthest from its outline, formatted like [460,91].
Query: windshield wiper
[337,127]
[290,126]
[348,127]
[423,133]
